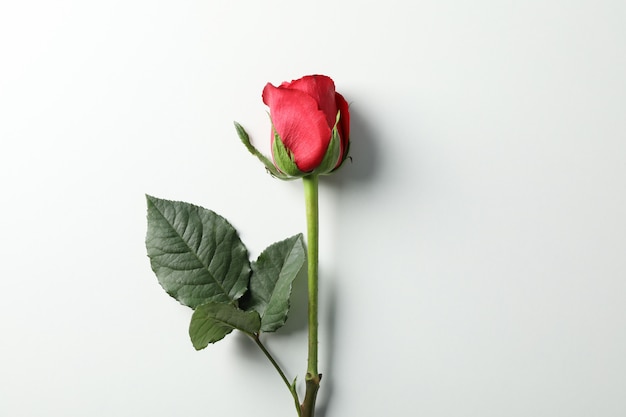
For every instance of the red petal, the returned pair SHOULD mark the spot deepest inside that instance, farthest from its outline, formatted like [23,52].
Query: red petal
[299,123]
[322,89]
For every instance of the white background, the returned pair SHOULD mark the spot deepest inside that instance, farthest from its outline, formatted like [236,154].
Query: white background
[473,253]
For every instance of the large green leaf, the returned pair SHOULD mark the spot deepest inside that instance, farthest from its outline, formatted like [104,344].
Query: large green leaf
[212,321]
[196,254]
[270,284]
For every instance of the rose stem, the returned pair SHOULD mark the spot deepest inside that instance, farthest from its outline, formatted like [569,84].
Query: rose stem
[312,220]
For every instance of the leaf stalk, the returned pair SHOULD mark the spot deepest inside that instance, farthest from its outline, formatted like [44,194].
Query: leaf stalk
[269,356]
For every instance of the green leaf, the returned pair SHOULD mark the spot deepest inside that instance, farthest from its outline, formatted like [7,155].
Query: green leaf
[270,284]
[196,254]
[211,322]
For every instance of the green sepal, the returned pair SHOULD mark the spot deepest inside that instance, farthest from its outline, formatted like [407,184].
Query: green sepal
[345,156]
[284,158]
[211,322]
[346,151]
[271,168]
[331,157]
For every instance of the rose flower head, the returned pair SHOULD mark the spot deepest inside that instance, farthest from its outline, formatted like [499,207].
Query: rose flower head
[310,127]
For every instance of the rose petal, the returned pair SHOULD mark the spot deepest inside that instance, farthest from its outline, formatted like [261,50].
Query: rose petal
[322,89]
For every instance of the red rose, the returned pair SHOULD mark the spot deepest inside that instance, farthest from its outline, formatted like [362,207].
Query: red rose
[310,125]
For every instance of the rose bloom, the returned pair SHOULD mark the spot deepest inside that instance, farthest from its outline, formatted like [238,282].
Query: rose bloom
[310,125]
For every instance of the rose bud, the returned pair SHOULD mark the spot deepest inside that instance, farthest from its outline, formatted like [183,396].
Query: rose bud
[310,124]
[310,127]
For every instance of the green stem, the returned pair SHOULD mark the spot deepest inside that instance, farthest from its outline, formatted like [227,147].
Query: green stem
[312,220]
[292,388]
